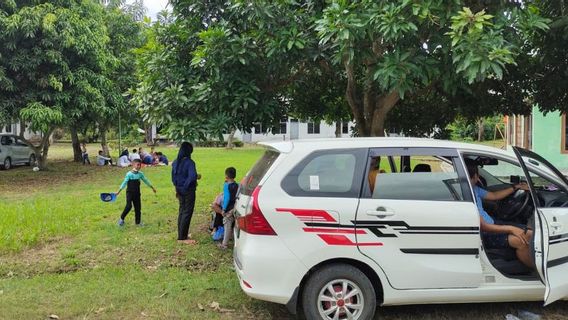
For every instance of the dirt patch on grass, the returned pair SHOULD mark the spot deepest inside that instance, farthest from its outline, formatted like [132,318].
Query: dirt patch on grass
[45,258]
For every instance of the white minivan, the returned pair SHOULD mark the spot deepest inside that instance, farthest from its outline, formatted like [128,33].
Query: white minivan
[15,151]
[334,228]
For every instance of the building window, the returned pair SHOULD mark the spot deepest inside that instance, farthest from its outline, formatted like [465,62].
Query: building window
[8,128]
[257,128]
[280,129]
[313,128]
[345,127]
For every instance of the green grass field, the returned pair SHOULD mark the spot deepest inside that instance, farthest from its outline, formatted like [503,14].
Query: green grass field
[62,254]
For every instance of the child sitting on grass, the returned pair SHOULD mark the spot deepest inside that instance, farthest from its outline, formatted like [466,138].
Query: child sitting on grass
[217,214]
[230,189]
[132,184]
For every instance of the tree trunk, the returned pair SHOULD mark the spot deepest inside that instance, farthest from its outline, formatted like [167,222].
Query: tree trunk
[480,129]
[42,150]
[230,139]
[104,143]
[378,128]
[148,135]
[42,162]
[370,109]
[22,128]
[338,125]
[77,156]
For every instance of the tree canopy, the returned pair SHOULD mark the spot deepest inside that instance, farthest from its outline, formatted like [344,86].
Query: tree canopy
[218,64]
[62,64]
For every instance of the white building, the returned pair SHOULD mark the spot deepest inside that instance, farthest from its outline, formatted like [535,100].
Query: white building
[293,129]
[14,128]
[289,129]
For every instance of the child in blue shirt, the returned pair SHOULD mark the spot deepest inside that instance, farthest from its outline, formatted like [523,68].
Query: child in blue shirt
[230,189]
[132,184]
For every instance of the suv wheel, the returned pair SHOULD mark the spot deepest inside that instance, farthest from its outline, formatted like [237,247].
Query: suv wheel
[339,291]
[7,164]
[32,160]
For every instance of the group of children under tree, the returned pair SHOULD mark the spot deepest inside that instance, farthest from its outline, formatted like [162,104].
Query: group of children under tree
[184,179]
[126,159]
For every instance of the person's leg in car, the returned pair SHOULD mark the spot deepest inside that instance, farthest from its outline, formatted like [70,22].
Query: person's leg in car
[522,249]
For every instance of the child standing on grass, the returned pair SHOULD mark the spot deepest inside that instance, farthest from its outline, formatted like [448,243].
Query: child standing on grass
[84,154]
[132,184]
[230,189]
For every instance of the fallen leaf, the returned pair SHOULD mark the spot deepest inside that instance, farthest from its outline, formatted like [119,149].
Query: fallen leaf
[100,310]
[246,310]
[53,316]
[200,306]
[215,306]
[143,314]
[10,274]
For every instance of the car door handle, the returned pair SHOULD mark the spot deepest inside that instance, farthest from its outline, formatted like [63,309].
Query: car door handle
[556,226]
[380,212]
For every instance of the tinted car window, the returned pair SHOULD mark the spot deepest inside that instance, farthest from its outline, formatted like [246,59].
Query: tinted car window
[20,142]
[332,173]
[328,173]
[430,178]
[6,141]
[258,171]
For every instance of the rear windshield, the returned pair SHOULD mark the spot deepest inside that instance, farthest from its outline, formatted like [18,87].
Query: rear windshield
[258,171]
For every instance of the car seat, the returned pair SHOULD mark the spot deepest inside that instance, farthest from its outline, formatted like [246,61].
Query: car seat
[422,167]
[505,260]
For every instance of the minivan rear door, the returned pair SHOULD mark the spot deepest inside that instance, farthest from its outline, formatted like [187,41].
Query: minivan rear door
[249,184]
[551,224]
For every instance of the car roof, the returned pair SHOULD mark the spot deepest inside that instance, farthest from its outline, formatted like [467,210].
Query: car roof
[380,142]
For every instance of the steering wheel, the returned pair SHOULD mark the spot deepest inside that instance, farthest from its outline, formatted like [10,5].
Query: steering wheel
[514,205]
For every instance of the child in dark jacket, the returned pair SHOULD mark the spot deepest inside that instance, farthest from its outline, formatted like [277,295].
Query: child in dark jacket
[184,179]
[132,184]
[230,189]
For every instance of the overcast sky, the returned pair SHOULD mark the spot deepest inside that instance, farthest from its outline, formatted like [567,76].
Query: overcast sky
[154,6]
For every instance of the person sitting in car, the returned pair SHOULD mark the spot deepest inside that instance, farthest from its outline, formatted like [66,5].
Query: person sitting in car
[374,170]
[497,234]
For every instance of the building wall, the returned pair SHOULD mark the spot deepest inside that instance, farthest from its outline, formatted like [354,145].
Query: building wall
[547,138]
[14,128]
[326,131]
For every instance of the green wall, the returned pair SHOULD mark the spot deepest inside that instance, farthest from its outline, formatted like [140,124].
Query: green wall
[547,135]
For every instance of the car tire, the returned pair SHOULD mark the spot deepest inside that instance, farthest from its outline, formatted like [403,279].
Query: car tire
[346,281]
[7,164]
[32,160]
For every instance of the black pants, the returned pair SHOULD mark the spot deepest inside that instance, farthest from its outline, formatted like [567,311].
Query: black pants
[86,159]
[218,221]
[132,198]
[186,205]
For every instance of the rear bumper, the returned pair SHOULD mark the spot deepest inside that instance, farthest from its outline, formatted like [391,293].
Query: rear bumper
[266,268]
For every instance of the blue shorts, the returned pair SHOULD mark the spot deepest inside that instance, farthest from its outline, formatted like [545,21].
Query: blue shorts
[499,240]
[495,240]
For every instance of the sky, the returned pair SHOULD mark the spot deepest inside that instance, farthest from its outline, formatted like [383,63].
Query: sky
[155,6]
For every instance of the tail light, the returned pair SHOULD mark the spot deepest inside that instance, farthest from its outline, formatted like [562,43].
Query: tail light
[254,222]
